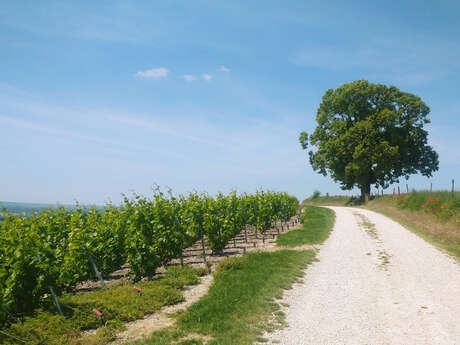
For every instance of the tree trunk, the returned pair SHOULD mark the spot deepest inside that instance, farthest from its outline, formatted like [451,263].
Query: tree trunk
[365,192]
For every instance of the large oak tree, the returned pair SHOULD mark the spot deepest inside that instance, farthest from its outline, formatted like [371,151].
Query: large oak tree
[370,134]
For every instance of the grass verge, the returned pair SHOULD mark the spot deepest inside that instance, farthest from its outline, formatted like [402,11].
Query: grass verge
[119,304]
[317,224]
[240,304]
[336,200]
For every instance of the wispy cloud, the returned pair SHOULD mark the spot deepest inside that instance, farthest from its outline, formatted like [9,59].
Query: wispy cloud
[224,69]
[77,135]
[154,73]
[32,125]
[189,77]
[170,130]
[207,77]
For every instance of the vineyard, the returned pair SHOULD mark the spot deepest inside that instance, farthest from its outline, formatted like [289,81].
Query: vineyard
[53,251]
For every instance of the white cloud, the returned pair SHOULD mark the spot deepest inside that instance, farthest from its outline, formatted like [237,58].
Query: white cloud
[189,77]
[224,69]
[154,73]
[207,77]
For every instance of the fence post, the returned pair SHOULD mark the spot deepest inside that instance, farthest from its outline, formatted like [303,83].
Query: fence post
[431,187]
[399,191]
[407,188]
[453,188]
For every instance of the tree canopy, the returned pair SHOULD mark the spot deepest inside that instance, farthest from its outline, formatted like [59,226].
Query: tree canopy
[370,134]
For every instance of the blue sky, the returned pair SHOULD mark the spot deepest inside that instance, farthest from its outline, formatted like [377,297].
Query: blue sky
[103,97]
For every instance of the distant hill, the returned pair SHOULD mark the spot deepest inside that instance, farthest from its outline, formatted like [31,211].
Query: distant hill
[27,207]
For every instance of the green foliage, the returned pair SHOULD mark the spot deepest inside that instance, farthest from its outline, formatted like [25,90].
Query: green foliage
[118,304]
[317,224]
[370,134]
[51,249]
[316,194]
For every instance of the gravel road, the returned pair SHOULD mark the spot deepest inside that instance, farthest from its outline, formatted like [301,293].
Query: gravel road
[375,283]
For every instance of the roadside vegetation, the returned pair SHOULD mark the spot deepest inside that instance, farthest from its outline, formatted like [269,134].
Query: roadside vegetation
[241,303]
[434,216]
[326,200]
[317,223]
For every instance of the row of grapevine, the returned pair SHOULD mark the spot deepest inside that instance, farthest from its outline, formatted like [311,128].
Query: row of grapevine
[54,249]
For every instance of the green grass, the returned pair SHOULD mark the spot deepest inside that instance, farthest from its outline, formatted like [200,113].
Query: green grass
[119,304]
[317,224]
[337,200]
[241,301]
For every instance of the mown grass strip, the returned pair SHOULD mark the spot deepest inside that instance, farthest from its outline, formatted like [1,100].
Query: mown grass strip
[240,304]
[317,224]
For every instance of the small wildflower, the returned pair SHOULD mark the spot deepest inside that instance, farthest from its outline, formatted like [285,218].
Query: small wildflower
[445,205]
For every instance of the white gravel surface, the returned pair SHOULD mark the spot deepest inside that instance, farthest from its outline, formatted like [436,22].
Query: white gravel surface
[385,286]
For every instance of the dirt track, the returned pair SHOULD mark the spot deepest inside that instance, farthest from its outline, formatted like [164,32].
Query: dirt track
[375,283]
